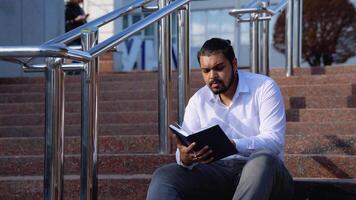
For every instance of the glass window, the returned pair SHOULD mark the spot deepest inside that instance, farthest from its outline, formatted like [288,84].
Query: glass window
[136,18]
[197,40]
[226,22]
[198,22]
[206,24]
[125,21]
[245,33]
[149,31]
[211,23]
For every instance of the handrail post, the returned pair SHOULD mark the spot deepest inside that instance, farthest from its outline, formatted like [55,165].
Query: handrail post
[265,42]
[290,37]
[54,133]
[254,43]
[183,61]
[89,120]
[299,33]
[164,68]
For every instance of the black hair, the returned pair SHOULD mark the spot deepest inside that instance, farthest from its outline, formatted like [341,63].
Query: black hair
[215,46]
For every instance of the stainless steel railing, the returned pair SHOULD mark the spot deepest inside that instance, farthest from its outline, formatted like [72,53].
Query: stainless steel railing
[260,12]
[55,50]
[101,21]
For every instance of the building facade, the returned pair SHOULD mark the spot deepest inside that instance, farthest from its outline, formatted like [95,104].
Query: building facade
[26,22]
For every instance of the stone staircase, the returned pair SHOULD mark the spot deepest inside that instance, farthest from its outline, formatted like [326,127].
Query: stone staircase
[320,138]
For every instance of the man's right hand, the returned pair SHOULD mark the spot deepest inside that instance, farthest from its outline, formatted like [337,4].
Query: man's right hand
[81,17]
[188,156]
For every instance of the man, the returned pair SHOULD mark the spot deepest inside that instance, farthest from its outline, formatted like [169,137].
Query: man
[74,17]
[249,108]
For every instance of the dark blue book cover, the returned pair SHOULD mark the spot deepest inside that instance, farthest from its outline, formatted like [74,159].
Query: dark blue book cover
[212,136]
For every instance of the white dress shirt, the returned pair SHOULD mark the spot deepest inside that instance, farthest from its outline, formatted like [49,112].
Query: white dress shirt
[255,119]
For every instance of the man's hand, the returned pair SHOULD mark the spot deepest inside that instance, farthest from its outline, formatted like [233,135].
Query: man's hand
[81,17]
[188,156]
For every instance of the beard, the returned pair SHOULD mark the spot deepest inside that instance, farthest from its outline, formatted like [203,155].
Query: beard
[222,88]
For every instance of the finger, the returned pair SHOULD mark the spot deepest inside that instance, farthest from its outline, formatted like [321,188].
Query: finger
[203,151]
[206,156]
[190,147]
[193,157]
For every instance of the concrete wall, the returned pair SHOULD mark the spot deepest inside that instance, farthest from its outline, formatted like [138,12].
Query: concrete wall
[24,22]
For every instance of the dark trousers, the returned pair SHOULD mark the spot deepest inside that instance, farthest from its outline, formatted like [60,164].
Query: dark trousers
[263,176]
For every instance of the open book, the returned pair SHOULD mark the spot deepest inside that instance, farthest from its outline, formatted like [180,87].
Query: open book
[212,136]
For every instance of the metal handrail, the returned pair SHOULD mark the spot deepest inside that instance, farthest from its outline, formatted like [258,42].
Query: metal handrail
[75,33]
[257,7]
[260,14]
[54,124]
[129,31]
[101,21]
[242,11]
[53,50]
[279,8]
[48,50]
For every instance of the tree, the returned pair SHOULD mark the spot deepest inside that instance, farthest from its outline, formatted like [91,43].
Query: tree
[328,29]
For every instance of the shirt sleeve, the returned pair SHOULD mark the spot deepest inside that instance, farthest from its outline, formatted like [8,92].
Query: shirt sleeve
[272,123]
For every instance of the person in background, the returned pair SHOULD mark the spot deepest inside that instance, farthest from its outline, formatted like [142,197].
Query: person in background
[249,108]
[74,17]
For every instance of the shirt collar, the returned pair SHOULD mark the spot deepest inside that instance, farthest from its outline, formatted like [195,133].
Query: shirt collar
[242,87]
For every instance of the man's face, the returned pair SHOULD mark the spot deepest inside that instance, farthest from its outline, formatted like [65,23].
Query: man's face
[217,72]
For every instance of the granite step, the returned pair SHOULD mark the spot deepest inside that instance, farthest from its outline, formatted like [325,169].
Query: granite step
[76,86]
[74,130]
[135,187]
[316,80]
[322,189]
[300,165]
[318,90]
[275,73]
[39,97]
[321,166]
[314,71]
[322,115]
[150,94]
[74,118]
[321,128]
[76,96]
[110,187]
[119,144]
[106,77]
[195,84]
[152,104]
[320,102]
[128,164]
[293,128]
[75,106]
[114,144]
[123,187]
[320,144]
[302,115]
